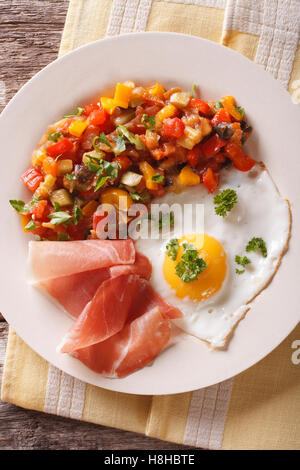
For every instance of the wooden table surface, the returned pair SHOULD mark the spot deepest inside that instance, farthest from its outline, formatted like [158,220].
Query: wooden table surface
[29,39]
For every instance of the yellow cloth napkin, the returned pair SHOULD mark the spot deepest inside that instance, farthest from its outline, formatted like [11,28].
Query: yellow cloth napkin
[259,409]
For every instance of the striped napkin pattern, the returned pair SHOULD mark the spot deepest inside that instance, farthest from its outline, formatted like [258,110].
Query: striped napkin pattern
[257,409]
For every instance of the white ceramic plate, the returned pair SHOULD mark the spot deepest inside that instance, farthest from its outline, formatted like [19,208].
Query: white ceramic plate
[146,58]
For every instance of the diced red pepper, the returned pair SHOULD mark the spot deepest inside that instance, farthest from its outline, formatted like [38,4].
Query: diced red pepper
[221,116]
[32,179]
[200,105]
[90,108]
[212,146]
[173,128]
[210,179]
[194,156]
[59,148]
[97,117]
[40,210]
[239,158]
[124,162]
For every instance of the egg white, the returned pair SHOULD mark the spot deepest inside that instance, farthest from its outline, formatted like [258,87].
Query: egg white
[259,212]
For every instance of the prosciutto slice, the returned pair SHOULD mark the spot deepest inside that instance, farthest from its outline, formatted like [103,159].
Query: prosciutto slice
[50,260]
[136,346]
[73,292]
[105,315]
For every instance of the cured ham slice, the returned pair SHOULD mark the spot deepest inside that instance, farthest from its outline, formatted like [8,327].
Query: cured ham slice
[50,260]
[142,267]
[134,347]
[73,292]
[105,315]
[147,299]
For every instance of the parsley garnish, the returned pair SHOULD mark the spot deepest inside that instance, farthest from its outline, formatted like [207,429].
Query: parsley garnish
[225,201]
[158,178]
[240,110]
[78,112]
[256,244]
[120,143]
[242,261]
[60,217]
[191,265]
[149,122]
[101,180]
[31,226]
[104,170]
[19,206]
[101,138]
[70,176]
[130,137]
[55,136]
[77,214]
[218,105]
[172,248]
[135,196]
[240,271]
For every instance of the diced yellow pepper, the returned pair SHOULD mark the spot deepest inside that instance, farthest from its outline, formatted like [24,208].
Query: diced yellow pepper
[122,95]
[148,171]
[24,220]
[116,197]
[108,104]
[37,157]
[166,112]
[77,128]
[89,209]
[230,105]
[188,177]
[157,90]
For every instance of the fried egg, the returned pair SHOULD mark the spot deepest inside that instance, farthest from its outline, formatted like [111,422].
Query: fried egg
[218,299]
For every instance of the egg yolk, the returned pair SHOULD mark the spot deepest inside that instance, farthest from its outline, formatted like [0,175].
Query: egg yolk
[210,280]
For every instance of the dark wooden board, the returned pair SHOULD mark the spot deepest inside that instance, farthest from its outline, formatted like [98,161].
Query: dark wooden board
[30,34]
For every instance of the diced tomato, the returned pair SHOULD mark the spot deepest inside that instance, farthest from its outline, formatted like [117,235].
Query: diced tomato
[32,179]
[200,105]
[124,162]
[97,217]
[50,166]
[212,146]
[59,148]
[194,156]
[41,210]
[79,231]
[165,150]
[89,108]
[220,157]
[98,117]
[210,179]
[173,128]
[221,116]
[239,158]
[89,195]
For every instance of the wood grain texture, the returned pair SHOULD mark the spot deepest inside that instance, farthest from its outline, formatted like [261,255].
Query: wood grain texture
[30,34]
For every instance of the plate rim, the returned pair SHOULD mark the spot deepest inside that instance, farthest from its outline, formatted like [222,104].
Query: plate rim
[259,69]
